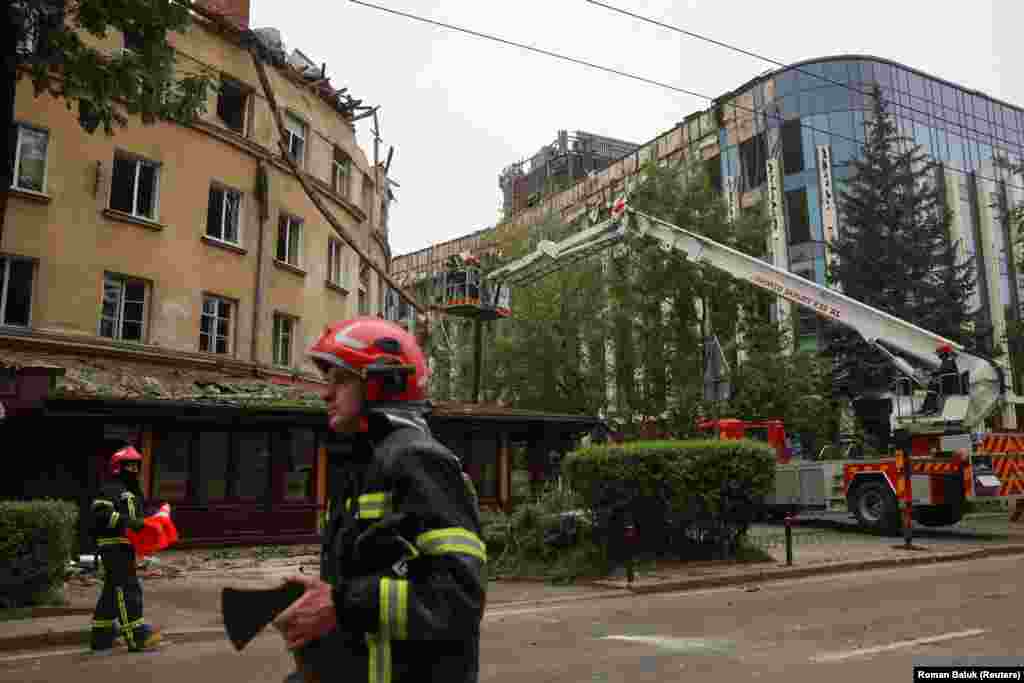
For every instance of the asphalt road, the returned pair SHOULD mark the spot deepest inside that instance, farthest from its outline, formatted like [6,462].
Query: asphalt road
[854,627]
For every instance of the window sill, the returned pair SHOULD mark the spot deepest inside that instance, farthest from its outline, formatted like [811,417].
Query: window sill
[290,268]
[31,195]
[228,246]
[336,287]
[134,220]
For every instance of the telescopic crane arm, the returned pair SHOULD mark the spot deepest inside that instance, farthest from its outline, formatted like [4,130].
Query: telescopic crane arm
[895,337]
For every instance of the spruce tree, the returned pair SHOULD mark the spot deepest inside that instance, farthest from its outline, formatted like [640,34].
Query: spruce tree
[894,253]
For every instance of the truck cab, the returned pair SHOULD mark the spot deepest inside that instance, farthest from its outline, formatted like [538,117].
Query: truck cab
[771,432]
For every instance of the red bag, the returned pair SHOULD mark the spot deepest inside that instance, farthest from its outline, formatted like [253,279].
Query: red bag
[157,533]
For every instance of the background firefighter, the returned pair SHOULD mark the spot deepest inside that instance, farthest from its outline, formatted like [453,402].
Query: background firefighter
[402,586]
[117,509]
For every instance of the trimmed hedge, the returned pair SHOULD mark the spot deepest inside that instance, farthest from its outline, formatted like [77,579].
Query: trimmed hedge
[668,485]
[36,540]
[676,469]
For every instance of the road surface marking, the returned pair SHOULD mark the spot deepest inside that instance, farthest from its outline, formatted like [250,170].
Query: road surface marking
[690,645]
[840,656]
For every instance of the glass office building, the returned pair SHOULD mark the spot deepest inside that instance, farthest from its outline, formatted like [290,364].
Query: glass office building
[810,122]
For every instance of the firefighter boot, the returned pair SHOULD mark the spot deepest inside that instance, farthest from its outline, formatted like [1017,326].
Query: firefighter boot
[144,637]
[103,637]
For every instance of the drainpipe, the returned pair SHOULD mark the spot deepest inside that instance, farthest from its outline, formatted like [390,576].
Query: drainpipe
[262,191]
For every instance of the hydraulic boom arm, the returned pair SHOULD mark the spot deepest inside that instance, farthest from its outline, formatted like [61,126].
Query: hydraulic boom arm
[986,385]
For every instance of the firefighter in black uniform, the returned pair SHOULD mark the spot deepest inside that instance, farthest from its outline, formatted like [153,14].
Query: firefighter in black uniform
[402,575]
[117,509]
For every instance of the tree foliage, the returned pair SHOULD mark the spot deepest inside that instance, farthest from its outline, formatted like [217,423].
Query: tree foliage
[621,333]
[894,252]
[59,45]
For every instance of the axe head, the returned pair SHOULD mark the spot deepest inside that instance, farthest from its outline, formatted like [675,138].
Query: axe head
[247,611]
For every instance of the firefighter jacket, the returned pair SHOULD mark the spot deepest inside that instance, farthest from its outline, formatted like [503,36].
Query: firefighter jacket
[115,511]
[403,553]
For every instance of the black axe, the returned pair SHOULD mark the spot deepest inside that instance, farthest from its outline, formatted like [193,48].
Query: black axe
[247,611]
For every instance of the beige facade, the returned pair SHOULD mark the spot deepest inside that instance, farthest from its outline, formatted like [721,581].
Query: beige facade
[171,217]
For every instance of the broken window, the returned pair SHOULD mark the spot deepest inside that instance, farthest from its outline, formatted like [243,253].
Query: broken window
[123,312]
[753,156]
[296,129]
[133,187]
[798,216]
[232,104]
[342,173]
[222,214]
[215,325]
[364,308]
[792,147]
[15,290]
[289,235]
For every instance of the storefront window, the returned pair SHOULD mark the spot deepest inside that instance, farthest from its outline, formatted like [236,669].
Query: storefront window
[171,465]
[298,452]
[214,456]
[252,472]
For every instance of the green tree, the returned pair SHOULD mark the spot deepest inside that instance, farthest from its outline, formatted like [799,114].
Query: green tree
[894,253]
[53,43]
[544,356]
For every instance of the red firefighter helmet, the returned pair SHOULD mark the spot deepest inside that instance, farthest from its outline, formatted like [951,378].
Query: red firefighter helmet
[381,352]
[126,454]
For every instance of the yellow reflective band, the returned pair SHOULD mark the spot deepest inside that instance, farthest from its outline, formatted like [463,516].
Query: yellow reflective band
[101,502]
[114,516]
[452,540]
[374,505]
[380,659]
[394,608]
[102,623]
[131,504]
[126,631]
[120,540]
[135,624]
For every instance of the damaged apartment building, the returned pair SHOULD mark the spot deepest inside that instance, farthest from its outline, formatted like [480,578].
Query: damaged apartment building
[159,287]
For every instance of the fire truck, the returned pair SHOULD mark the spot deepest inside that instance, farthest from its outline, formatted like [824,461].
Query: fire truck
[939,407]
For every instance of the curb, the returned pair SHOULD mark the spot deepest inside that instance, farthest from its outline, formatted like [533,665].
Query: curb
[57,639]
[801,572]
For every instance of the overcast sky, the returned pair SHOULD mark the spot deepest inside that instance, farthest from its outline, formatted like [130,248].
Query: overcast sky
[458,108]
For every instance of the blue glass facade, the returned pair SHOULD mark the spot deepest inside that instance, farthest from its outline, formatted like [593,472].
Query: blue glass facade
[824,102]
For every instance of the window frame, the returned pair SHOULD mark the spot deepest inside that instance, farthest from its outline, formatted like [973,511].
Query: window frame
[138,161]
[226,190]
[20,127]
[293,222]
[5,278]
[341,168]
[123,280]
[246,93]
[279,319]
[232,322]
[334,261]
[303,126]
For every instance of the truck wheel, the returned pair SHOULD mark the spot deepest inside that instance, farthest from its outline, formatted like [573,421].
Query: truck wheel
[939,515]
[875,507]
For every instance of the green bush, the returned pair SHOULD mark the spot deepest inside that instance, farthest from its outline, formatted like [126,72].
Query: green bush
[672,491]
[36,540]
[675,471]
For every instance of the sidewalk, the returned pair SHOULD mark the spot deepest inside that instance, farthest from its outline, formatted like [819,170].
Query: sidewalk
[185,603]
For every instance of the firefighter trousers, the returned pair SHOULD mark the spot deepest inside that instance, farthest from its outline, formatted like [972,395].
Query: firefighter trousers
[120,600]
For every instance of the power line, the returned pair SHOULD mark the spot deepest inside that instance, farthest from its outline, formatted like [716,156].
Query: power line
[643,79]
[531,48]
[794,68]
